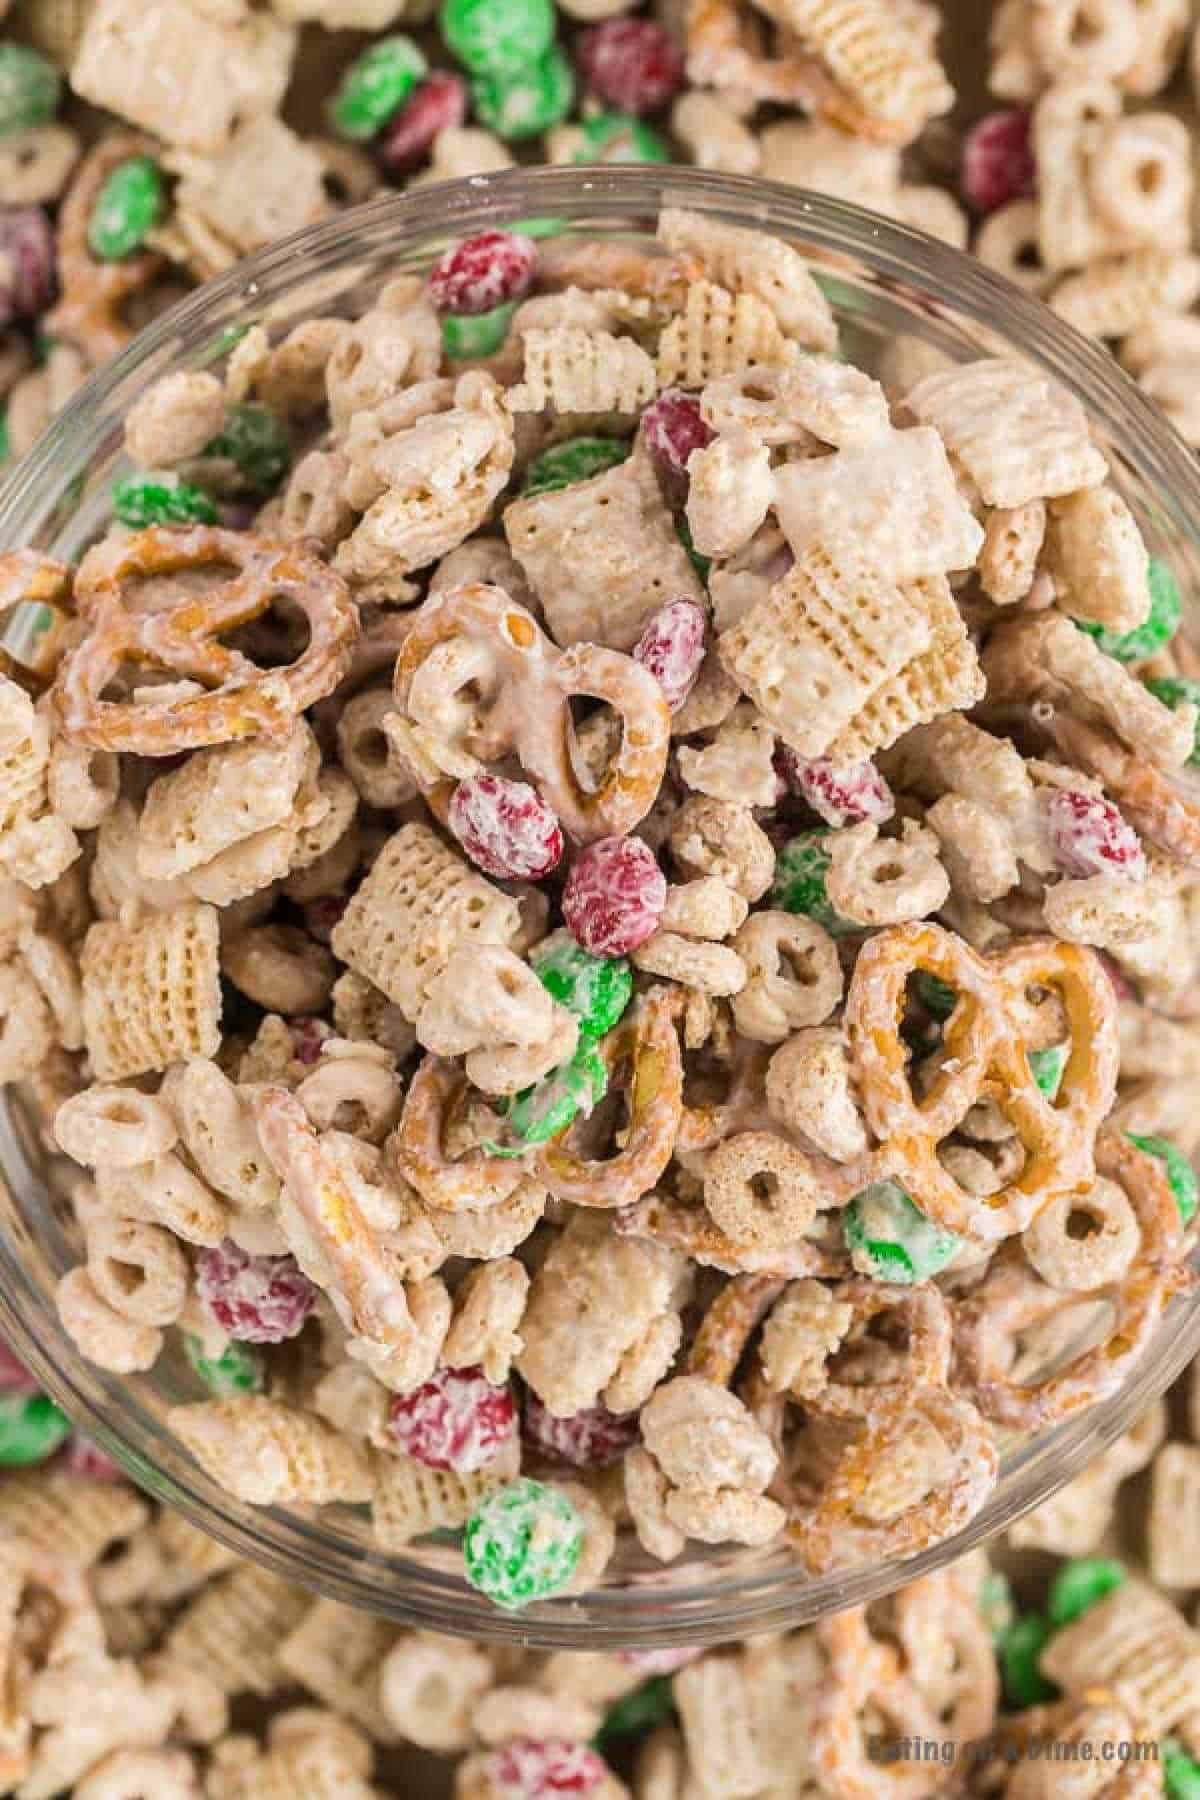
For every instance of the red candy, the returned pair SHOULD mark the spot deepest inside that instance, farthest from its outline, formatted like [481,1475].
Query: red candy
[672,648]
[439,104]
[482,272]
[27,273]
[457,1420]
[256,1299]
[1089,837]
[614,896]
[840,793]
[82,1457]
[505,827]
[309,1037]
[671,429]
[997,160]
[588,1439]
[15,1378]
[538,1771]
[633,64]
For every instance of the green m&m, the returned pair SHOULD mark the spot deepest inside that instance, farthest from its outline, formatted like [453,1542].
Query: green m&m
[1046,1067]
[31,1429]
[1079,1585]
[524,103]
[128,206]
[1175,691]
[890,1239]
[257,445]
[160,497]
[576,459]
[996,1606]
[374,88]
[1156,629]
[647,1706]
[620,138]
[476,334]
[497,37]
[1181,1177]
[1181,1774]
[549,1106]
[597,989]
[801,869]
[30,89]
[522,1544]
[238,1369]
[1019,1653]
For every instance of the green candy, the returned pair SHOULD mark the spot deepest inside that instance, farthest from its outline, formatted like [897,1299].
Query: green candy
[30,89]
[1156,629]
[522,1544]
[1079,1585]
[996,1606]
[550,1105]
[255,441]
[159,497]
[683,531]
[1046,1067]
[799,885]
[238,1370]
[597,989]
[540,228]
[128,206]
[477,334]
[890,1239]
[1181,1177]
[577,459]
[374,88]
[936,996]
[1019,1651]
[1181,1775]
[620,138]
[522,105]
[498,37]
[31,1429]
[649,1705]
[1178,690]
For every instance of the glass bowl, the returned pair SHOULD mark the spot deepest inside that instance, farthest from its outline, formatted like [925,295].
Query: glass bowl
[885,283]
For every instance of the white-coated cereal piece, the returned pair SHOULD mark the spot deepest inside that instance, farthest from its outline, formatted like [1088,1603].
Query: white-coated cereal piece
[573,370]
[35,844]
[885,881]
[139,1270]
[126,1774]
[411,1499]
[218,798]
[266,182]
[1174,1489]
[738,765]
[953,756]
[602,555]
[506,1713]
[175,419]
[463,150]
[279,967]
[114,1127]
[802,1331]
[269,1454]
[1109,911]
[375,767]
[725,1516]
[833,402]
[760,1190]
[1012,544]
[976,847]
[370,430]
[334,1653]
[933,210]
[704,1438]
[354,1086]
[414,521]
[82,784]
[361,1011]
[1140,181]
[217,1127]
[1018,436]
[1119,294]
[1098,559]
[646,1490]
[1007,242]
[166,1192]
[813,153]
[793,976]
[151,991]
[592,1298]
[1133,1641]
[706,908]
[1066,121]
[1084,39]
[489,1304]
[644,1364]
[713,135]
[396,344]
[880,59]
[53,967]
[314,502]
[716,334]
[484,996]
[429,1688]
[810,1090]
[105,1337]
[757,263]
[730,489]
[35,164]
[1068,1257]
[705,967]
[714,838]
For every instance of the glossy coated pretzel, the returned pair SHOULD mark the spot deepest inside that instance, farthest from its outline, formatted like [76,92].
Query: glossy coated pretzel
[242,700]
[1011,1298]
[475,636]
[93,292]
[984,1057]
[896,1374]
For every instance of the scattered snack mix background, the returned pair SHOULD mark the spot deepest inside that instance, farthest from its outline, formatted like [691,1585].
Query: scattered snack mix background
[566,1019]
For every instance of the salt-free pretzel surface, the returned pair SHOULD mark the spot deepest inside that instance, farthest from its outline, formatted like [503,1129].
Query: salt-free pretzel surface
[184,638]
[476,635]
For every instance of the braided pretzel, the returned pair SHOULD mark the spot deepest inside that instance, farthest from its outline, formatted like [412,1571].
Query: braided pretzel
[1011,1297]
[184,638]
[331,1222]
[93,292]
[436,1100]
[832,1533]
[476,636]
[647,1046]
[985,1057]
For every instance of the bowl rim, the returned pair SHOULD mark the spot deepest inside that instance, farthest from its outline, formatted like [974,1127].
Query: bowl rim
[921,270]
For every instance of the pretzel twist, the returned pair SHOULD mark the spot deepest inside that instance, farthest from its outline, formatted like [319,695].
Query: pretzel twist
[93,292]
